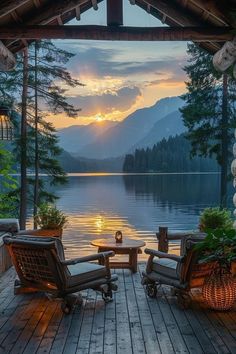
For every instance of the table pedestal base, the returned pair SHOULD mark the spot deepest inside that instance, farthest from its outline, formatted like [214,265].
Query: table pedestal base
[132,264]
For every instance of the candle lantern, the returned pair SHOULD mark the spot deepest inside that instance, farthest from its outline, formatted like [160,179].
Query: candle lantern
[6,126]
[118,236]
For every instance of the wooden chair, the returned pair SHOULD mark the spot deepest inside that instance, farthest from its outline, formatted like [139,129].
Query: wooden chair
[41,266]
[176,271]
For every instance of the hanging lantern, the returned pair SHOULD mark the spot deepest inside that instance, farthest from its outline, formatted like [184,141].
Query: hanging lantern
[6,126]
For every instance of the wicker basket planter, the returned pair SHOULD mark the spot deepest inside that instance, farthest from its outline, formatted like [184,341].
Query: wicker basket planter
[219,291]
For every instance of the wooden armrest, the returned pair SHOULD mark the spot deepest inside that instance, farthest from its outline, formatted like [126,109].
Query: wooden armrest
[160,254]
[92,257]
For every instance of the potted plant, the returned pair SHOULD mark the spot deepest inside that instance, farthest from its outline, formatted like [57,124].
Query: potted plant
[50,220]
[219,246]
[215,218]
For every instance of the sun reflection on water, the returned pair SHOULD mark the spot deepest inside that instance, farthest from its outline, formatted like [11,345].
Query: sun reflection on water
[85,227]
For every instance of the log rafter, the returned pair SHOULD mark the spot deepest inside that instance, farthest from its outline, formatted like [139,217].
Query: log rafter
[174,12]
[197,34]
[155,11]
[53,10]
[9,6]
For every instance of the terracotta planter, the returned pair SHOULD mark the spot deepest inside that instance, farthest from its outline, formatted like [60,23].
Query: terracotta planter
[47,232]
[200,272]
[219,291]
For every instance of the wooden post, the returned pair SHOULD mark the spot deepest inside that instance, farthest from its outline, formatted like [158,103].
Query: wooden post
[7,59]
[233,170]
[162,237]
[36,142]
[224,144]
[23,178]
[115,12]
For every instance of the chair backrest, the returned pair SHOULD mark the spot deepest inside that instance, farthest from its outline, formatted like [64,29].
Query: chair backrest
[37,261]
[185,240]
[190,259]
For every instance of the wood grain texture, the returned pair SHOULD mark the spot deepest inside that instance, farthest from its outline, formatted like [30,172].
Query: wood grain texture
[131,324]
[116,33]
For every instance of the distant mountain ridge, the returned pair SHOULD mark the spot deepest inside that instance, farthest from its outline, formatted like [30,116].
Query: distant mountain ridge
[170,125]
[75,137]
[144,126]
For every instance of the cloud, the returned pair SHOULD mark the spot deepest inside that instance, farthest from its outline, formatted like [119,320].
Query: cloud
[100,62]
[122,100]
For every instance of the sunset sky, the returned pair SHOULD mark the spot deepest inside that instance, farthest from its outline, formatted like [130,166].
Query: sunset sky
[120,77]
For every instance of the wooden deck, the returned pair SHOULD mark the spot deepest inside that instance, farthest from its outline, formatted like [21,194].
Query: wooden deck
[132,323]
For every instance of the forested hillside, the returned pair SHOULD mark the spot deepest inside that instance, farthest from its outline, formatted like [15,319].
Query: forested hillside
[172,155]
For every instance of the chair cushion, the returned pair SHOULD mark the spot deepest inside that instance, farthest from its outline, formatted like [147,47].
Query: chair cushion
[166,267]
[84,272]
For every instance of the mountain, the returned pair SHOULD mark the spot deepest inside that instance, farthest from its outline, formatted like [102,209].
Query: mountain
[71,164]
[75,137]
[170,125]
[119,139]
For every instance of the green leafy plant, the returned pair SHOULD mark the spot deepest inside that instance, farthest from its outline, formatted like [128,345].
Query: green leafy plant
[49,217]
[8,202]
[215,218]
[218,246]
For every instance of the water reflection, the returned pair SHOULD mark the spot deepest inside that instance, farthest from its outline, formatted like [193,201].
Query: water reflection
[98,205]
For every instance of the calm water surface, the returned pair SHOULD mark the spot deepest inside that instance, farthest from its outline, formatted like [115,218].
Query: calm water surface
[99,204]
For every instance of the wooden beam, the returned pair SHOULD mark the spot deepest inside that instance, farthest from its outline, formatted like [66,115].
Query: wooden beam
[53,10]
[77,13]
[95,5]
[215,9]
[7,59]
[197,34]
[114,13]
[174,12]
[10,5]
[211,47]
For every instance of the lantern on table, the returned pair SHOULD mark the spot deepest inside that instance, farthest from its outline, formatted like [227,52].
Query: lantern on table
[118,237]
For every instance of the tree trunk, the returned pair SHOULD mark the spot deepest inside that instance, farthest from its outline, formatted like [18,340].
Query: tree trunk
[23,178]
[224,144]
[36,147]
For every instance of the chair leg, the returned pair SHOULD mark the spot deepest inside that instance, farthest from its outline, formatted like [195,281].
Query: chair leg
[183,298]
[106,290]
[69,302]
[151,289]
[173,291]
[21,289]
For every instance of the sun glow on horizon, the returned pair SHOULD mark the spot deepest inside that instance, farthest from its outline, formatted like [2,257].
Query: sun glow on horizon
[99,117]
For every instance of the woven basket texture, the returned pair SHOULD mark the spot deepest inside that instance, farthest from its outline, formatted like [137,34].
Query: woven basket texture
[219,291]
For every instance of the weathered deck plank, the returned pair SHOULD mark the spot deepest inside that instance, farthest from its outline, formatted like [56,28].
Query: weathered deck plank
[132,323]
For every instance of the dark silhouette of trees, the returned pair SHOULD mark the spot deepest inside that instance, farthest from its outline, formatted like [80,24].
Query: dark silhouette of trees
[172,155]
[209,112]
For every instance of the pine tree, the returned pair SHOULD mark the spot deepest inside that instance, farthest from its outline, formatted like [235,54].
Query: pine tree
[209,112]
[8,203]
[172,155]
[48,81]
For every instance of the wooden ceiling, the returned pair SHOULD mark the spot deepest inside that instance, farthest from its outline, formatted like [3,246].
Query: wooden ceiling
[215,19]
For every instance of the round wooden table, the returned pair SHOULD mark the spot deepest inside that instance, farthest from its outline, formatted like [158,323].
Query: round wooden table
[128,246]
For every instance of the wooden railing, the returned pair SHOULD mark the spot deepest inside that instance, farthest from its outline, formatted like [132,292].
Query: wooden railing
[164,236]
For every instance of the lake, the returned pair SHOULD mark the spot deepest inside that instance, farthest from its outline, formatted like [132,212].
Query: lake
[100,204]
